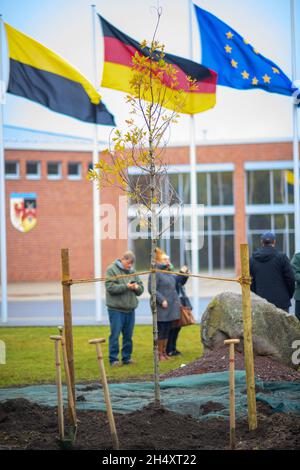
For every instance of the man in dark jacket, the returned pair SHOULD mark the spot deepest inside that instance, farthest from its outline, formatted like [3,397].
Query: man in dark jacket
[272,275]
[121,301]
[296,267]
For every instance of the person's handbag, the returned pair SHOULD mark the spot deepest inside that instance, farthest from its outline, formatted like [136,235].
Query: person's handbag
[186,316]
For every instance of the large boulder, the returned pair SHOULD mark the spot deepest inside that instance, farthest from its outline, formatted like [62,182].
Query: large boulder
[274,331]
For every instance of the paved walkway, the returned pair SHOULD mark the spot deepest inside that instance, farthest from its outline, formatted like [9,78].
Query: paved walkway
[40,303]
[34,291]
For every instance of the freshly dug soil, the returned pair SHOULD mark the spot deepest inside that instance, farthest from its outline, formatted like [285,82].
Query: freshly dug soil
[26,425]
[265,368]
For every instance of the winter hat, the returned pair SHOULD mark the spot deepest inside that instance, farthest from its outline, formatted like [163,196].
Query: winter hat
[268,238]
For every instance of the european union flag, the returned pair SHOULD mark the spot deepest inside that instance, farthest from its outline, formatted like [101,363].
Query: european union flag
[237,63]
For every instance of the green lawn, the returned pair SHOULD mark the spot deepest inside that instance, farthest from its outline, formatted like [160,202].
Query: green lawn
[30,354]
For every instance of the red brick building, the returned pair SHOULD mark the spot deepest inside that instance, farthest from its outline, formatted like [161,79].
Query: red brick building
[246,188]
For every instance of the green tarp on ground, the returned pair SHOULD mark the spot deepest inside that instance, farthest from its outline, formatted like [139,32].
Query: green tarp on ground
[187,395]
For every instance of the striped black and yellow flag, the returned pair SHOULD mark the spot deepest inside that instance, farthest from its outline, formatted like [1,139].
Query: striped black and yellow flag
[119,50]
[40,75]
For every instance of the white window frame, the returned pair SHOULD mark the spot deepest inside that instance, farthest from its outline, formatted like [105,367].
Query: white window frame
[54,177]
[75,177]
[16,175]
[32,176]
[200,168]
[268,166]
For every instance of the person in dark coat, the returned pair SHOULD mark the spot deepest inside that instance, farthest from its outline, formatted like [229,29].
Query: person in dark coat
[296,267]
[272,275]
[167,300]
[171,348]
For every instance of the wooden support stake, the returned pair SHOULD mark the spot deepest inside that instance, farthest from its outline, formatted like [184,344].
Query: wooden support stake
[231,343]
[68,380]
[60,408]
[248,343]
[66,289]
[109,411]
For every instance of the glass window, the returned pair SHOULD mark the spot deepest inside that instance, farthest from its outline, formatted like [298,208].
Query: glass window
[270,187]
[74,170]
[216,223]
[279,186]
[142,251]
[203,255]
[217,252]
[173,188]
[180,183]
[223,252]
[292,245]
[205,224]
[202,188]
[291,221]
[140,189]
[11,169]
[175,253]
[218,249]
[221,189]
[258,187]
[254,242]
[281,224]
[215,188]
[227,186]
[173,180]
[53,170]
[170,186]
[229,222]
[185,193]
[33,170]
[212,188]
[260,222]
[279,221]
[280,241]
[229,251]
[290,186]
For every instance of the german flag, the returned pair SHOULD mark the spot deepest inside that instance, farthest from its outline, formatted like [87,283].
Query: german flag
[118,52]
[40,75]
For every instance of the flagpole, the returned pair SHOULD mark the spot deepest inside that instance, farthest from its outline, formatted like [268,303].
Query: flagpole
[96,192]
[193,182]
[3,250]
[295,136]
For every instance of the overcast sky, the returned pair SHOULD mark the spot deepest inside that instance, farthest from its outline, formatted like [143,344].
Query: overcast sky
[65,27]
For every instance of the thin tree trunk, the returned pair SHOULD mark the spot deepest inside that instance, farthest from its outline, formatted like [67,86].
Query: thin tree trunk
[154,232]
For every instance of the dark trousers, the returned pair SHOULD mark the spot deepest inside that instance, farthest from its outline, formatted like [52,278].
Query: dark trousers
[172,339]
[120,322]
[297,309]
[164,328]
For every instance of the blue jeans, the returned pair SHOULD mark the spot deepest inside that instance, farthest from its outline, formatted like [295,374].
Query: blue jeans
[120,322]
